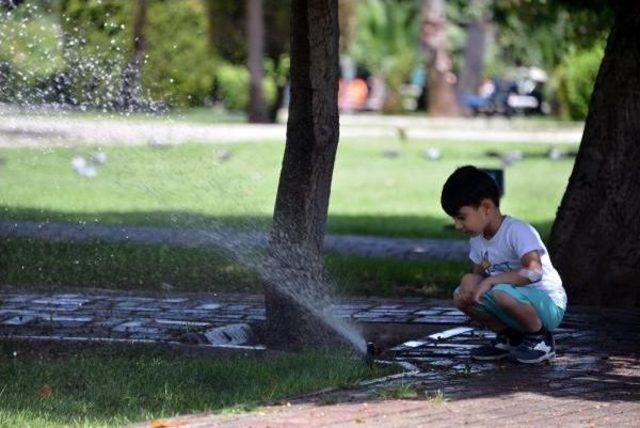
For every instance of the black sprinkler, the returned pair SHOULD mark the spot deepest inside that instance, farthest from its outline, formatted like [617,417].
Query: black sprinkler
[371,351]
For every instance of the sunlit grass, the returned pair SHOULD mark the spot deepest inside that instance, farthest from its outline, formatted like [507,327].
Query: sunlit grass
[188,186]
[120,385]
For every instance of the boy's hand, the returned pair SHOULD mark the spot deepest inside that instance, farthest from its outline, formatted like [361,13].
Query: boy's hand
[466,292]
[480,289]
[468,284]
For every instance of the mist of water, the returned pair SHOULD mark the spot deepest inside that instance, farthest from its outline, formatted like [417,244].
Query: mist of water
[311,294]
[62,77]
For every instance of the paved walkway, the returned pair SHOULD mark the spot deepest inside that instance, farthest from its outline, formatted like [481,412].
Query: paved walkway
[127,316]
[54,129]
[595,381]
[368,246]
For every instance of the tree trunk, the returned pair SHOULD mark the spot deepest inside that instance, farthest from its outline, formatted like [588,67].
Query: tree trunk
[595,240]
[255,31]
[441,98]
[294,294]
[130,97]
[474,50]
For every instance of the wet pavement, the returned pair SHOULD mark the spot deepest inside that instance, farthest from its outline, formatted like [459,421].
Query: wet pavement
[154,318]
[594,381]
[128,316]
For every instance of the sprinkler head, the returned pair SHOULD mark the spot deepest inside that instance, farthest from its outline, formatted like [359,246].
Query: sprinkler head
[371,351]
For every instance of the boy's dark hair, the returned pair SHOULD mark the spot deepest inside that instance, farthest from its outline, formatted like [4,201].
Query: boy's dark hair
[468,186]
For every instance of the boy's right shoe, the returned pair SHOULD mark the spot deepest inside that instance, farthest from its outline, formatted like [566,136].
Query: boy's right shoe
[535,348]
[498,349]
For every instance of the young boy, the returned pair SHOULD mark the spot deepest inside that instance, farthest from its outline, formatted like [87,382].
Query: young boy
[513,289]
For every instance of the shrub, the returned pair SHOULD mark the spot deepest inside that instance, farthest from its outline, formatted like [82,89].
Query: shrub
[29,53]
[574,79]
[233,86]
[180,67]
[76,52]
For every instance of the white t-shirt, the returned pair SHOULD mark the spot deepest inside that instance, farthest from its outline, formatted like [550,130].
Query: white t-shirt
[504,251]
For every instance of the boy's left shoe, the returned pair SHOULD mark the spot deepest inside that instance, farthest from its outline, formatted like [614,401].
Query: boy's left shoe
[535,348]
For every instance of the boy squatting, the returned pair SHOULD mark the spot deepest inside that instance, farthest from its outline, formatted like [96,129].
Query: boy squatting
[513,288]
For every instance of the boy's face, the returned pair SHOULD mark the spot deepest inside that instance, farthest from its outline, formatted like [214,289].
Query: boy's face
[472,220]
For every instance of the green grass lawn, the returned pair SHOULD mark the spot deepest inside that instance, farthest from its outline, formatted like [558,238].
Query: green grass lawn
[186,186]
[114,386]
[33,262]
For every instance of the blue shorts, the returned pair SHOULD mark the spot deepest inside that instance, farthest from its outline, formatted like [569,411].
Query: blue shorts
[549,313]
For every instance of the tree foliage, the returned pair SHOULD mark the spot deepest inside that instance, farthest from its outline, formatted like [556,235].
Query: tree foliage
[574,78]
[386,40]
[542,33]
[180,68]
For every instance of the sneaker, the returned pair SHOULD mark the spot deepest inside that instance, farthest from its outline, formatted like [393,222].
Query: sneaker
[535,348]
[499,348]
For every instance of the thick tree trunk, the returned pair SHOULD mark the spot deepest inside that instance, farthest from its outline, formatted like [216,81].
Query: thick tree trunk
[441,97]
[130,97]
[255,31]
[474,50]
[595,240]
[294,291]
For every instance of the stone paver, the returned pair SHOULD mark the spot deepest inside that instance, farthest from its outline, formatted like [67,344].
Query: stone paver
[238,241]
[112,315]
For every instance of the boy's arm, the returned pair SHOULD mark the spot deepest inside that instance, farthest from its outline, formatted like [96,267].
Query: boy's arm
[478,270]
[531,272]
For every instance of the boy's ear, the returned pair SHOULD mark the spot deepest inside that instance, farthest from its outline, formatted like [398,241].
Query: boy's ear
[486,204]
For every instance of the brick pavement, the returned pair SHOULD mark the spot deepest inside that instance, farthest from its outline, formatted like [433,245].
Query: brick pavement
[595,381]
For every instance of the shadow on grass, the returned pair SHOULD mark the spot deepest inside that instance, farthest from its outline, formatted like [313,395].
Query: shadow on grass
[33,262]
[410,226]
[120,265]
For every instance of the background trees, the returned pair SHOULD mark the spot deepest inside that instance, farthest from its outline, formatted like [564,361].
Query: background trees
[197,51]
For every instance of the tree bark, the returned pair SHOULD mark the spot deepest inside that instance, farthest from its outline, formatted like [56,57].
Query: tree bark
[595,239]
[441,97]
[255,30]
[295,298]
[474,50]
[130,97]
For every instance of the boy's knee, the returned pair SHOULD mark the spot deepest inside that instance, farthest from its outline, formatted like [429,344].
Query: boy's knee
[470,279]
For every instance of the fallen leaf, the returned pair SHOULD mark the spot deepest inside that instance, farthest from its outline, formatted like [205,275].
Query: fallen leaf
[44,391]
[167,423]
